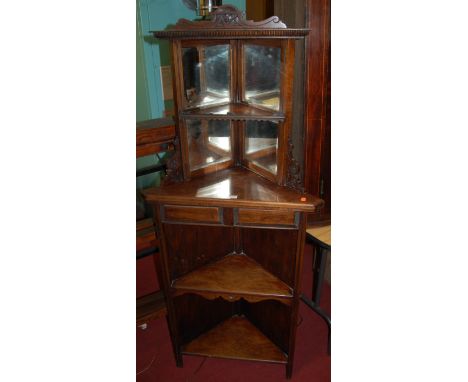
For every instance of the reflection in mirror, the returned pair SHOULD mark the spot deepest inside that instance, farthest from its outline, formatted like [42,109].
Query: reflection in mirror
[221,190]
[209,142]
[261,144]
[206,75]
[262,75]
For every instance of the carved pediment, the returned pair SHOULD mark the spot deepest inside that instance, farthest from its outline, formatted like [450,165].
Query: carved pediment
[228,16]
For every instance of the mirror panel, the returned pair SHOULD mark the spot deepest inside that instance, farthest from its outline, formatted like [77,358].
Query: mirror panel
[261,144]
[262,71]
[206,75]
[209,142]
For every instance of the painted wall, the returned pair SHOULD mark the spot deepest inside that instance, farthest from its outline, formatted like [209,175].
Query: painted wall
[158,15]
[143,108]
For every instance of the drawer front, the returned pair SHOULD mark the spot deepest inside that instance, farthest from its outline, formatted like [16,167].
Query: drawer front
[247,216]
[192,214]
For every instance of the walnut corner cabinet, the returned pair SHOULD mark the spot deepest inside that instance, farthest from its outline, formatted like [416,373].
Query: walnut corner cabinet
[231,214]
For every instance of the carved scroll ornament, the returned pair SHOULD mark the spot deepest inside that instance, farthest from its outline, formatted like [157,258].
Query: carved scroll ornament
[228,16]
[294,177]
[174,165]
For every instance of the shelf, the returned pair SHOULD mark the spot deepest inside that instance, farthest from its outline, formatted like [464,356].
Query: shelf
[236,338]
[234,187]
[232,277]
[233,111]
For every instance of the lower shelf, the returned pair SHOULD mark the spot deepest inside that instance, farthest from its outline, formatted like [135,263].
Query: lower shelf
[236,338]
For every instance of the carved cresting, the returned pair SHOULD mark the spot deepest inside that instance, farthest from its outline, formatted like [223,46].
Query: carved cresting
[230,16]
[294,178]
[229,22]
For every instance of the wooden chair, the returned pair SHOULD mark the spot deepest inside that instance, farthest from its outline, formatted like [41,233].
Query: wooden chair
[320,238]
[152,137]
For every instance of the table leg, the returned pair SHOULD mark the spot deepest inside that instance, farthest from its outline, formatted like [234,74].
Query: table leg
[320,264]
[322,314]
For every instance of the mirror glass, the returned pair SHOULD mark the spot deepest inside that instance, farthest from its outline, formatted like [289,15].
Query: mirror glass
[262,68]
[206,75]
[261,144]
[209,142]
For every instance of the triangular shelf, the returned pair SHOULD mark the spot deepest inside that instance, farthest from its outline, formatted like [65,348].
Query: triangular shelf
[233,111]
[233,277]
[233,187]
[235,338]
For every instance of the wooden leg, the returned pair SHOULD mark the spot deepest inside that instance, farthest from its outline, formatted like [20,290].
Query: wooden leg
[179,360]
[175,347]
[289,370]
[178,357]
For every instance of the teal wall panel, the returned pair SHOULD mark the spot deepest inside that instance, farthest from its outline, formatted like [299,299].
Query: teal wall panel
[143,108]
[158,15]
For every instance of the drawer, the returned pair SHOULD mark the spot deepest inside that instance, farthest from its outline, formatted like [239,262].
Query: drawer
[247,216]
[192,214]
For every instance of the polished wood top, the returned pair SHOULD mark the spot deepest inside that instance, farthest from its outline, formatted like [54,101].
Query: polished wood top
[234,187]
[321,233]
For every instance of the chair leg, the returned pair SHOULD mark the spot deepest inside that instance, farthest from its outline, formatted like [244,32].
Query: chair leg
[320,264]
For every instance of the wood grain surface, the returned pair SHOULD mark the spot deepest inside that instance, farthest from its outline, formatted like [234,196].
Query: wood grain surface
[236,338]
[234,275]
[236,187]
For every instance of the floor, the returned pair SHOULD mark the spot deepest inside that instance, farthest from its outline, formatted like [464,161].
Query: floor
[155,361]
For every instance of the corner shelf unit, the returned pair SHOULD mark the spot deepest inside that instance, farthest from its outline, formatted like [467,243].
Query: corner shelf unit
[230,218]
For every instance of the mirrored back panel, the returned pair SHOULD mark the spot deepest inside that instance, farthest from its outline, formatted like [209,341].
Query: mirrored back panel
[206,74]
[209,142]
[262,74]
[261,144]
